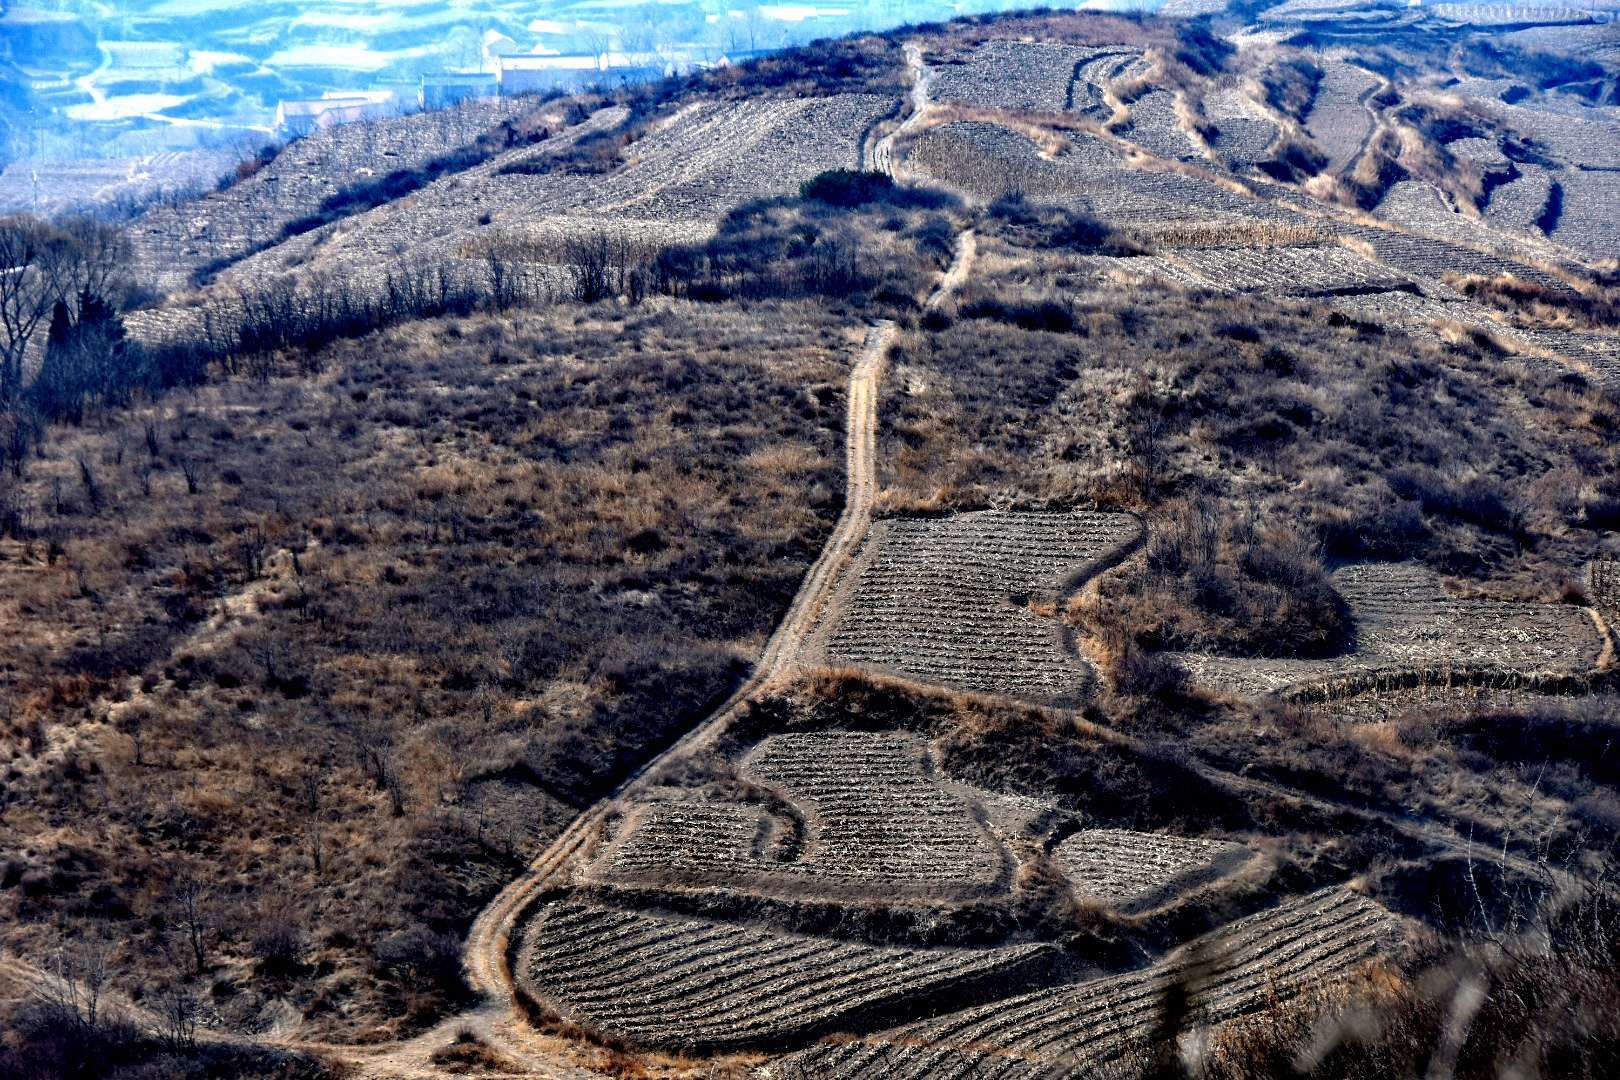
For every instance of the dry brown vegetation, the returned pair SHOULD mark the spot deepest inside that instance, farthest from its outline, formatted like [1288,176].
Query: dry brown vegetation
[359,643]
[310,655]
[1299,437]
[1479,1011]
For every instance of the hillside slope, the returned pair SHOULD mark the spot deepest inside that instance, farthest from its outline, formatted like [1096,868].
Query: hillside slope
[995,547]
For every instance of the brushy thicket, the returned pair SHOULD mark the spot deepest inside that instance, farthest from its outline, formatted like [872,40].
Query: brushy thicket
[49,1040]
[852,237]
[1547,1004]
[1226,585]
[481,569]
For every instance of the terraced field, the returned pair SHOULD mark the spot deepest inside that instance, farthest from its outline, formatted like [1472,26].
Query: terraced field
[722,154]
[1243,130]
[440,217]
[836,820]
[1020,75]
[695,985]
[1090,90]
[1586,219]
[1408,626]
[1154,126]
[1302,270]
[678,182]
[1521,203]
[1339,122]
[1133,871]
[943,600]
[1432,258]
[170,242]
[1428,319]
[1083,1027]
[868,820]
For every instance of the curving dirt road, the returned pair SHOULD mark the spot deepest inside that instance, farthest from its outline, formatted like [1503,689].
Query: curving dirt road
[879,156]
[498,1021]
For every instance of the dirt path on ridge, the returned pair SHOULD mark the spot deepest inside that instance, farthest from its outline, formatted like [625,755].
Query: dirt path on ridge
[498,1021]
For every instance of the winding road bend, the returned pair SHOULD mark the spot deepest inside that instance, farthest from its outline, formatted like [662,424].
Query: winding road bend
[498,1021]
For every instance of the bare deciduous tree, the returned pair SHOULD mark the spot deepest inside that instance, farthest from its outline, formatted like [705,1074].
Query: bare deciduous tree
[194,916]
[30,286]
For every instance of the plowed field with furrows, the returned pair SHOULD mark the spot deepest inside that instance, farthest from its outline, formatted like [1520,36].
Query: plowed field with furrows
[874,823]
[1243,131]
[988,160]
[1288,269]
[1405,622]
[1421,209]
[1134,871]
[1154,126]
[1079,1028]
[695,985]
[1588,217]
[715,155]
[1422,316]
[171,241]
[1520,203]
[1020,75]
[1131,195]
[1432,258]
[452,206]
[1092,80]
[1576,135]
[943,600]
[1339,122]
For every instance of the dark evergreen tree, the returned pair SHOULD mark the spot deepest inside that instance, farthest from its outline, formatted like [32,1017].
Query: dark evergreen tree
[86,360]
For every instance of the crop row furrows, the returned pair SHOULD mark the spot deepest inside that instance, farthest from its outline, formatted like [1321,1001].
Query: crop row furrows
[172,240]
[1415,315]
[1154,126]
[692,984]
[989,160]
[1433,258]
[1315,269]
[1421,208]
[1521,203]
[1576,135]
[825,134]
[1405,621]
[1119,867]
[1227,973]
[1173,196]
[1244,132]
[1478,150]
[864,795]
[718,155]
[937,599]
[1339,121]
[1019,75]
[1589,211]
[873,818]
[455,204]
[1092,79]
[1242,140]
